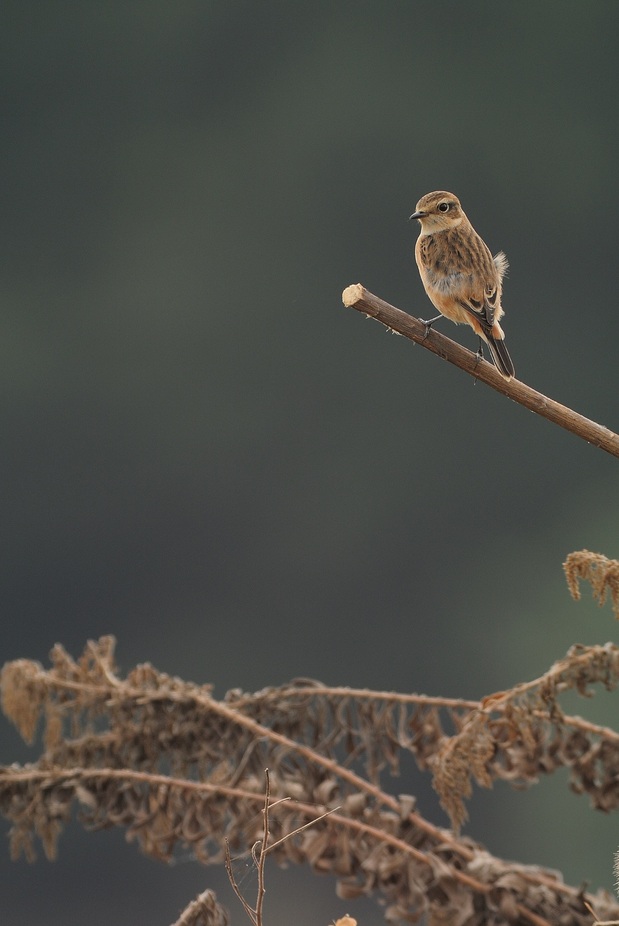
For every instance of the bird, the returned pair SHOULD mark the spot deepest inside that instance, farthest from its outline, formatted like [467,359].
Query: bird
[461,277]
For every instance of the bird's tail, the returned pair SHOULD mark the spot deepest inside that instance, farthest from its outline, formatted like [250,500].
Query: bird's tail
[500,355]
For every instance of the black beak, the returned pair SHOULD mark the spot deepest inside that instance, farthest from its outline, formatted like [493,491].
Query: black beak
[417,215]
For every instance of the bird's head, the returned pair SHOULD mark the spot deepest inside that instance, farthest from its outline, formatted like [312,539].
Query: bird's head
[438,212]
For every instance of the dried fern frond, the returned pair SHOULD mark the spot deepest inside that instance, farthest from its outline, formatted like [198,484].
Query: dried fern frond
[600,572]
[179,769]
[522,733]
[203,911]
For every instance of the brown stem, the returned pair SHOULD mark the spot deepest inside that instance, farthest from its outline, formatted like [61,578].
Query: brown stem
[357,297]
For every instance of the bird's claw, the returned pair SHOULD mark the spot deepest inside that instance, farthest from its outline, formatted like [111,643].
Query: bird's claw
[427,323]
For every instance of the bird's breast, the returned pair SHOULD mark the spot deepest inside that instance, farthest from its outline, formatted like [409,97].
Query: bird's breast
[439,272]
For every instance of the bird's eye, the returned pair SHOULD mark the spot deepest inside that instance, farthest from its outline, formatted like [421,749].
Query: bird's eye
[443,207]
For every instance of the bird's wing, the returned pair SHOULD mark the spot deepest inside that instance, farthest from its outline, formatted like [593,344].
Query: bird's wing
[484,309]
[481,294]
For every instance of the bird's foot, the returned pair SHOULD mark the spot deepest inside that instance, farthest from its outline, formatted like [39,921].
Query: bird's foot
[427,323]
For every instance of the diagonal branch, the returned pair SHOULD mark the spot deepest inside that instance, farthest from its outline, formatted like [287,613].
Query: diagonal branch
[357,297]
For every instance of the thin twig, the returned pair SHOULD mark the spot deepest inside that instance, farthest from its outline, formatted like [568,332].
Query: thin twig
[357,297]
[259,857]
[263,847]
[595,918]
[251,913]
[304,827]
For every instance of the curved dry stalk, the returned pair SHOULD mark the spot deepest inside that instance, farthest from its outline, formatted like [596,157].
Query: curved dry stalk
[82,780]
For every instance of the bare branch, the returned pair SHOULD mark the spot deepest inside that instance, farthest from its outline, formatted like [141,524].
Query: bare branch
[259,855]
[251,913]
[357,297]
[263,847]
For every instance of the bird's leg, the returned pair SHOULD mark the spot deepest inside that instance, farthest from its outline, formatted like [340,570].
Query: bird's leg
[480,350]
[428,323]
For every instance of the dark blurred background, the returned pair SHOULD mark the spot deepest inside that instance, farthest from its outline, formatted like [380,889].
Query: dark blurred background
[207,456]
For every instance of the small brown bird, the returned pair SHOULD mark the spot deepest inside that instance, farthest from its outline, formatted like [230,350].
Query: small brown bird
[459,274]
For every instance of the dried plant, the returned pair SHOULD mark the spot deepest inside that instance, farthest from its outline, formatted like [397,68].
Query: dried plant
[596,920]
[602,573]
[203,911]
[181,770]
